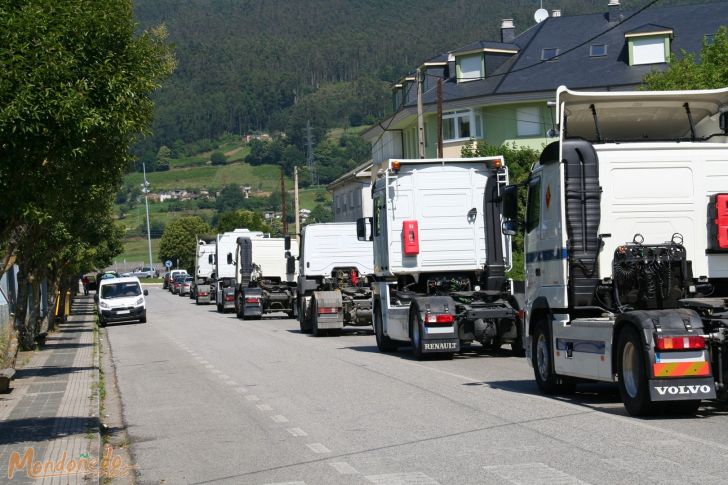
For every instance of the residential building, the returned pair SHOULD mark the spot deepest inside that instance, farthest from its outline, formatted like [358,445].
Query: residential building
[498,91]
[351,194]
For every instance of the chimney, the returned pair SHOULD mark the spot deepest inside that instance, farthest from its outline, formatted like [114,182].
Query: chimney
[508,31]
[614,12]
[556,12]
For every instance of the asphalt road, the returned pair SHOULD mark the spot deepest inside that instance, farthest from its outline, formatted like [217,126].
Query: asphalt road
[209,398]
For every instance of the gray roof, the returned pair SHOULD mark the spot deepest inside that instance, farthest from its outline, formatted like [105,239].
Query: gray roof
[525,72]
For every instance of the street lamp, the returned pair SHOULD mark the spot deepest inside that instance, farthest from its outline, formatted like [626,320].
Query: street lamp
[145,189]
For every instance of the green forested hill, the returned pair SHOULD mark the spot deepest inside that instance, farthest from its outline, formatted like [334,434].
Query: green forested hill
[249,65]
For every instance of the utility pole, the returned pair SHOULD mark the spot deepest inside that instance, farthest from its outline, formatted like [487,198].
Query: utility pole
[309,152]
[146,204]
[420,117]
[283,203]
[439,118]
[295,204]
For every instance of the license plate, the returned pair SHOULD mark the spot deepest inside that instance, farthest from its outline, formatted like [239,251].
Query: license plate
[122,312]
[441,345]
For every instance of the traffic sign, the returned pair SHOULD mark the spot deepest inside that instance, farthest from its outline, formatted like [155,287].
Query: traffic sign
[168,264]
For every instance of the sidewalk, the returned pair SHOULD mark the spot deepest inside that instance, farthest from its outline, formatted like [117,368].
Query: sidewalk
[53,407]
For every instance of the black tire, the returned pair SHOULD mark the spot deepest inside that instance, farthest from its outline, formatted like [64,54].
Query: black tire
[219,308]
[197,301]
[240,307]
[143,319]
[543,364]
[415,331]
[102,323]
[315,330]
[518,348]
[632,372]
[384,343]
[290,314]
[303,322]
[683,408]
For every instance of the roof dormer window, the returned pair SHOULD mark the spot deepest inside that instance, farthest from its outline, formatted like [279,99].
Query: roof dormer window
[470,68]
[549,53]
[649,44]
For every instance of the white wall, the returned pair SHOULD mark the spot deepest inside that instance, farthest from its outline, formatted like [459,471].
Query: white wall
[352,201]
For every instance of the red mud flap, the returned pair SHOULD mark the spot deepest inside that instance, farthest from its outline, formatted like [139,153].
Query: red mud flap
[441,345]
[682,389]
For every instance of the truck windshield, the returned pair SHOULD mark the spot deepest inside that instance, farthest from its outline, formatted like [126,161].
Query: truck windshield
[120,290]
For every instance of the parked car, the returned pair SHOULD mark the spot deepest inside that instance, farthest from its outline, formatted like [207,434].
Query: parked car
[92,284]
[176,285]
[143,272]
[172,275]
[121,299]
[185,285]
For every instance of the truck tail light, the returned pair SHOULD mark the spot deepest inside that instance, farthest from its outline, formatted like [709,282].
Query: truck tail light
[202,293]
[229,297]
[410,238]
[431,319]
[720,222]
[680,343]
[328,310]
[252,299]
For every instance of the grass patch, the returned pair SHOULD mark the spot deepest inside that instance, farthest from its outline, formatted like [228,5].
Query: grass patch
[6,336]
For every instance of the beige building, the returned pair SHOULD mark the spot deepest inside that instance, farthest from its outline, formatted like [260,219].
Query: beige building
[352,196]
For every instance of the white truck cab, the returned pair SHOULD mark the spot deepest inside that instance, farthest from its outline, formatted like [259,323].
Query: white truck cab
[626,247]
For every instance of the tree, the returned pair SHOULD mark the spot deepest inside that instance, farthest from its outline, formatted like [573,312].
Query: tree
[709,72]
[321,213]
[218,158]
[179,240]
[231,198]
[241,219]
[75,94]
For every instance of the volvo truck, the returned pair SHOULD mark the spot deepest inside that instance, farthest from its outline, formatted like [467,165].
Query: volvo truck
[626,241]
[440,258]
[223,282]
[334,276]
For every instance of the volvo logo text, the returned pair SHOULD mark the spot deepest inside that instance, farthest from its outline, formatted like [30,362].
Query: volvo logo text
[675,390]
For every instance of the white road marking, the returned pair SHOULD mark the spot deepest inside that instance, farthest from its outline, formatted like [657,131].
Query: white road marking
[279,418]
[252,397]
[264,407]
[402,479]
[318,448]
[527,473]
[297,432]
[241,390]
[344,468]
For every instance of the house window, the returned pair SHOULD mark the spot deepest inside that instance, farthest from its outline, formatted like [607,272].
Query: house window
[470,68]
[461,125]
[528,121]
[549,53]
[648,51]
[597,50]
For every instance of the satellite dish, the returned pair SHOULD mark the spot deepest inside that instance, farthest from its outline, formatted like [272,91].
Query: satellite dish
[541,15]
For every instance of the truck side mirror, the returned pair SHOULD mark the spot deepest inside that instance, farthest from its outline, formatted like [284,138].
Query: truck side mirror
[287,243]
[509,202]
[291,265]
[362,226]
[209,259]
[510,227]
[230,258]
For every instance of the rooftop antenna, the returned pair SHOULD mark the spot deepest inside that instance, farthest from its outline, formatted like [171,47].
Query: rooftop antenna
[541,14]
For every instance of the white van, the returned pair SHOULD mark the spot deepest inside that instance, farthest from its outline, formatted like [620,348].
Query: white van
[121,299]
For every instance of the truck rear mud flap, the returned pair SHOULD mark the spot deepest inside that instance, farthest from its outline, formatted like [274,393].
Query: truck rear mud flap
[440,345]
[681,389]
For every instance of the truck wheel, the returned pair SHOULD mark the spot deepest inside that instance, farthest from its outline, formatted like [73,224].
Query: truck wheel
[384,343]
[543,365]
[314,319]
[683,407]
[416,333]
[219,308]
[240,307]
[632,374]
[303,322]
[518,348]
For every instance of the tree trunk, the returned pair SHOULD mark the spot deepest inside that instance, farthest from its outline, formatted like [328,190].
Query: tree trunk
[25,338]
[53,299]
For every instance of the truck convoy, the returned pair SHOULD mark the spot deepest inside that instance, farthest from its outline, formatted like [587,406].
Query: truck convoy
[626,241]
[223,285]
[334,277]
[440,257]
[204,269]
[265,276]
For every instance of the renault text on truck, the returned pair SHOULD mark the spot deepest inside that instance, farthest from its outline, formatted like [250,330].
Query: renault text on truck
[265,276]
[626,240]
[223,285]
[440,257]
[204,269]
[335,270]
